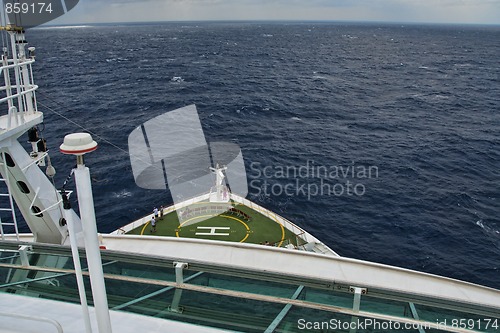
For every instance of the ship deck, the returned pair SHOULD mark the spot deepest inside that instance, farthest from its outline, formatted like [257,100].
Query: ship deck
[174,282]
[233,222]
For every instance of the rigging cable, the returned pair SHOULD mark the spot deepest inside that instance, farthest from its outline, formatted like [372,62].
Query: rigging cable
[147,162]
[86,129]
[76,124]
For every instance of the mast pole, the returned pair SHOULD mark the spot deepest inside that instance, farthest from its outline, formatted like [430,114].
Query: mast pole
[79,144]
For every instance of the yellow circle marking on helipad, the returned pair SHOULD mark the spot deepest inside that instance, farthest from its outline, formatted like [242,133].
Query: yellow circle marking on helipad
[144,228]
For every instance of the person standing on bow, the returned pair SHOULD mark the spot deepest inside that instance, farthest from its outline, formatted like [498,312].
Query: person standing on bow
[153,224]
[161,212]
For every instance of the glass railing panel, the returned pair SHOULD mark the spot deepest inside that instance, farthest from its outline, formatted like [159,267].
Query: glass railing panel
[5,275]
[312,320]
[51,261]
[458,319]
[127,295]
[225,312]
[155,299]
[8,256]
[63,287]
[220,311]
[245,285]
[153,302]
[145,271]
[47,285]
[328,297]
[385,306]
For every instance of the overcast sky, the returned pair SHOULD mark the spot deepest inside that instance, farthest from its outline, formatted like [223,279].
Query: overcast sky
[431,11]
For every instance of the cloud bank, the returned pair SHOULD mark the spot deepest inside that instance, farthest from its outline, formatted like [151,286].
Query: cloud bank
[426,11]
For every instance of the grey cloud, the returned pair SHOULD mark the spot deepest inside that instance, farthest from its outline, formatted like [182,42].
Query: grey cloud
[439,11]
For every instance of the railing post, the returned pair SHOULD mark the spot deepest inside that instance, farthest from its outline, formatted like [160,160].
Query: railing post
[179,280]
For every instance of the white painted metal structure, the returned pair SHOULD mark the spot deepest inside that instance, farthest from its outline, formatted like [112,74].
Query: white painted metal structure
[10,208]
[37,199]
[32,191]
[220,193]
[303,264]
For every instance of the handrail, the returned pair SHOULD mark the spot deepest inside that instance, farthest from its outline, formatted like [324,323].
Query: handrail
[275,299]
[4,88]
[46,209]
[19,94]
[36,160]
[17,64]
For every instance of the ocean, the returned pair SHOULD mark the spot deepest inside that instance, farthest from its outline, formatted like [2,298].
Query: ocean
[382,140]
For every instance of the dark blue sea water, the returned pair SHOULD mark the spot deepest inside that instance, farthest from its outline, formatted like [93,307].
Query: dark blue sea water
[418,103]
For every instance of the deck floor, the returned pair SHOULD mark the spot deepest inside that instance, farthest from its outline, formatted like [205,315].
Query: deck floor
[227,226]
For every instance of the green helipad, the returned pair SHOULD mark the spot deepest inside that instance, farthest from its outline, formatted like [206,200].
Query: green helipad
[235,223]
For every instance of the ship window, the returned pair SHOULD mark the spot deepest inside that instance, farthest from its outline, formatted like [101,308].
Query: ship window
[36,210]
[23,187]
[8,159]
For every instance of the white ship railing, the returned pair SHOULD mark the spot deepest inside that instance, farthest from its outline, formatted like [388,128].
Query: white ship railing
[25,88]
[18,88]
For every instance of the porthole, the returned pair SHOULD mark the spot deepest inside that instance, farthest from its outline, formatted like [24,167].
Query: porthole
[23,187]
[36,210]
[8,159]
[62,222]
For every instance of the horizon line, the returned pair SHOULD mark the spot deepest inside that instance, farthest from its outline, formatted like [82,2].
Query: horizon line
[274,21]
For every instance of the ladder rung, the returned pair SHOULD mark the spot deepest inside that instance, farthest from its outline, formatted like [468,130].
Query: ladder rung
[11,209]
